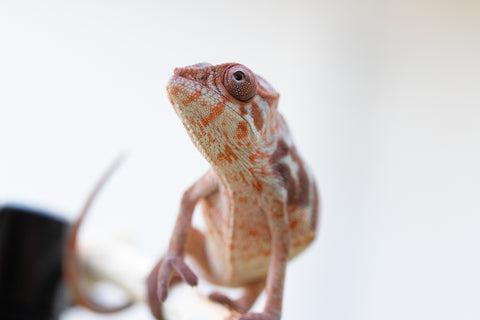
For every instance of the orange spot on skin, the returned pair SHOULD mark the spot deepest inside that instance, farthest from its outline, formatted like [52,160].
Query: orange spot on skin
[173,91]
[243,110]
[257,184]
[242,199]
[242,130]
[243,177]
[229,152]
[293,224]
[253,233]
[216,111]
[228,155]
[245,246]
[227,139]
[255,156]
[222,157]
[192,98]
[297,244]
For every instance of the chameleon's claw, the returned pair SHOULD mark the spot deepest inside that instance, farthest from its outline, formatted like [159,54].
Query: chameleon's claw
[171,265]
[185,272]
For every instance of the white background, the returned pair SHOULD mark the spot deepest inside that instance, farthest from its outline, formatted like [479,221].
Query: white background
[383,99]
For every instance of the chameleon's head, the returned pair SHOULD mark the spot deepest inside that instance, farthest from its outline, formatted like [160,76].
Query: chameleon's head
[228,110]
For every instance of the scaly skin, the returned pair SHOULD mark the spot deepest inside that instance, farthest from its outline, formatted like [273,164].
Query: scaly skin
[259,199]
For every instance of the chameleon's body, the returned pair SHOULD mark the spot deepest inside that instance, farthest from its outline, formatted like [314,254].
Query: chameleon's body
[259,200]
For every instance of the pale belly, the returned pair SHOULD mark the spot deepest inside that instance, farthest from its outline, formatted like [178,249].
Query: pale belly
[239,248]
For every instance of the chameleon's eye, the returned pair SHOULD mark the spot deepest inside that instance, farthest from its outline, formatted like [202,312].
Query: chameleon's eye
[240,82]
[239,76]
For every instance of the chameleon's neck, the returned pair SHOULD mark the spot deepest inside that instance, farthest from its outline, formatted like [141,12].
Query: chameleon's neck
[251,168]
[247,174]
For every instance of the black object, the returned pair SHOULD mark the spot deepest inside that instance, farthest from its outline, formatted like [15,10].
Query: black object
[31,247]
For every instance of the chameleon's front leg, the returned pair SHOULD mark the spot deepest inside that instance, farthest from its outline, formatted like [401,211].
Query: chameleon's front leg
[280,234]
[174,259]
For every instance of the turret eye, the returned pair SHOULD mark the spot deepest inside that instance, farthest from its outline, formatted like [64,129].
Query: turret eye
[239,75]
[240,82]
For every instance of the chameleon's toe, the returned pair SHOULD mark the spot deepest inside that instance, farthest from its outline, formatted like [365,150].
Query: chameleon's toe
[184,271]
[154,301]
[170,267]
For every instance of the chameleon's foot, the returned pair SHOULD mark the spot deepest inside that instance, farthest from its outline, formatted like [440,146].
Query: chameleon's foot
[260,316]
[152,285]
[226,301]
[171,265]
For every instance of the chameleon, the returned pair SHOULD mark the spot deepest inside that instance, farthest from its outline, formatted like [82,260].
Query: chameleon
[259,199]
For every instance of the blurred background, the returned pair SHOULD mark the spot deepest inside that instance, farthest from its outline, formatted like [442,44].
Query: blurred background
[382,97]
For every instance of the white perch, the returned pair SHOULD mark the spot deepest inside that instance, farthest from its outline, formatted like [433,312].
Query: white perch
[115,261]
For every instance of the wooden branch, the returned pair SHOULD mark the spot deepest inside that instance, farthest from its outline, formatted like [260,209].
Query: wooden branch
[115,261]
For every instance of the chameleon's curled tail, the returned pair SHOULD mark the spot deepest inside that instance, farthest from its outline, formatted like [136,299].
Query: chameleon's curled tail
[72,272]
